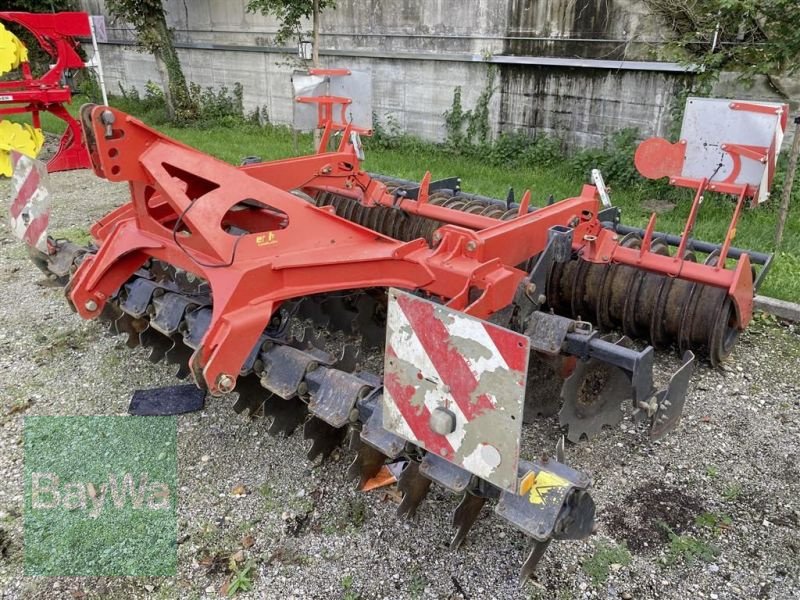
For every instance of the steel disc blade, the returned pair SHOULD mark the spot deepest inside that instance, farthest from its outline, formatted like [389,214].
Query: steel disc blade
[324,438]
[592,397]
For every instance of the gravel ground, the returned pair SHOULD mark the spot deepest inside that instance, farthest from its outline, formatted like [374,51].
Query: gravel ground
[712,511]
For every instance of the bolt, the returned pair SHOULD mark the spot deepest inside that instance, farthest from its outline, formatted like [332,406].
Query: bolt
[91,305]
[108,118]
[302,388]
[471,246]
[442,421]
[530,288]
[542,299]
[354,414]
[437,237]
[225,383]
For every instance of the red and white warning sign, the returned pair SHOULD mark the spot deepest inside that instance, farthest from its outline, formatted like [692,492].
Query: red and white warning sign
[29,213]
[455,385]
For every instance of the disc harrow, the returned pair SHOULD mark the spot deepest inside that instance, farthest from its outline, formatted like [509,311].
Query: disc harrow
[219,270]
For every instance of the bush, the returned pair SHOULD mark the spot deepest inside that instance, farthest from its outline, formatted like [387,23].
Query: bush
[222,107]
[615,159]
[517,149]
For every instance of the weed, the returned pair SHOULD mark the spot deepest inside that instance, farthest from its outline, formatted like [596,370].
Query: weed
[417,585]
[347,586]
[356,512]
[687,548]
[268,494]
[599,565]
[732,492]
[714,522]
[241,579]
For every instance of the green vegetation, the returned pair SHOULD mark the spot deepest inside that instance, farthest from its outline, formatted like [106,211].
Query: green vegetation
[732,492]
[491,168]
[753,37]
[77,235]
[599,565]
[417,585]
[688,548]
[347,588]
[714,523]
[241,578]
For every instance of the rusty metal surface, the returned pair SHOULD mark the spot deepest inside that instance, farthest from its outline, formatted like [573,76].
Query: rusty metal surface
[455,386]
[664,310]
[592,397]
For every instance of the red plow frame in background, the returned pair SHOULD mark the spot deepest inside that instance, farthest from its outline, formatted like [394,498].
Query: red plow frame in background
[55,33]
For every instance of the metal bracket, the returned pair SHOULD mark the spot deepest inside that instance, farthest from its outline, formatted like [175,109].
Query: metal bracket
[530,294]
[538,511]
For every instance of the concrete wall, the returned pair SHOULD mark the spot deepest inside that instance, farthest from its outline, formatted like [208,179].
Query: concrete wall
[420,50]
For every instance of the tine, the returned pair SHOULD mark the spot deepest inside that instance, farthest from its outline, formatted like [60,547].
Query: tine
[414,487]
[372,331]
[311,308]
[325,438]
[179,354]
[348,361]
[465,516]
[354,440]
[366,465]
[110,314]
[251,396]
[157,342]
[130,326]
[287,415]
[560,455]
[342,317]
[534,556]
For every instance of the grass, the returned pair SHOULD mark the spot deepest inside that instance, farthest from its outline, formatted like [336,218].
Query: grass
[411,160]
[598,566]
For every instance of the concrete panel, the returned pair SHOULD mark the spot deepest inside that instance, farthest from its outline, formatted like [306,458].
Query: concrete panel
[427,48]
[584,107]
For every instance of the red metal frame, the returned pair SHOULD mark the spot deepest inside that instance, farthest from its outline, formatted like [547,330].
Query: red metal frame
[181,200]
[656,157]
[327,118]
[55,33]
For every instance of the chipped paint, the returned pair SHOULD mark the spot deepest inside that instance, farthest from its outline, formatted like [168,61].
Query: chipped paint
[440,358]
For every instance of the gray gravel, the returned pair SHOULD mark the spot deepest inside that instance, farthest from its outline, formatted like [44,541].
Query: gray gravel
[733,459]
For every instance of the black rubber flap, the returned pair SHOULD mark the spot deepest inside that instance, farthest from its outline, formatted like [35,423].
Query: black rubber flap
[171,400]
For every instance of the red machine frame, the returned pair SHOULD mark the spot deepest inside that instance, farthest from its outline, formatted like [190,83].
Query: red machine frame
[54,32]
[182,199]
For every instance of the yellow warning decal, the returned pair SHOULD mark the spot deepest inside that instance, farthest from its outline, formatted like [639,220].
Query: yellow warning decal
[265,239]
[544,483]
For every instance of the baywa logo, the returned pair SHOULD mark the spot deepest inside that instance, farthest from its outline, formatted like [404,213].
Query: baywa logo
[46,493]
[100,496]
